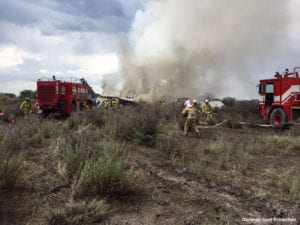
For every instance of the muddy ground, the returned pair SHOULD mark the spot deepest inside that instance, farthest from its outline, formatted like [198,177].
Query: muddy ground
[166,191]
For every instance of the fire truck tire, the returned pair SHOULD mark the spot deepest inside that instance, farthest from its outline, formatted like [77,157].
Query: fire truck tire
[278,118]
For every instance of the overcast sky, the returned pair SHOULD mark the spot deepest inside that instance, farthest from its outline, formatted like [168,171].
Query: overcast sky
[82,38]
[78,38]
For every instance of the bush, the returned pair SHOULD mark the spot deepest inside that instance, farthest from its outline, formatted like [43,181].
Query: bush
[11,107]
[95,116]
[243,160]
[35,132]
[138,125]
[96,166]
[106,174]
[281,144]
[11,162]
[172,146]
[74,160]
[245,111]
[288,181]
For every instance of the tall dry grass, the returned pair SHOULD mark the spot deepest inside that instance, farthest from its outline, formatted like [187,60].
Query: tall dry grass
[11,159]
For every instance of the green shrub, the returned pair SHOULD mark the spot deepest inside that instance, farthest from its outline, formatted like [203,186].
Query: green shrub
[281,144]
[73,122]
[11,161]
[171,145]
[253,145]
[271,175]
[11,106]
[138,125]
[235,111]
[223,149]
[290,182]
[199,162]
[95,116]
[107,173]
[73,160]
[294,188]
[243,160]
[35,132]
[94,165]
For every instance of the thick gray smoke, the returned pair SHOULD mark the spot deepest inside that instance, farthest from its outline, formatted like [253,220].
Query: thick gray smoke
[188,48]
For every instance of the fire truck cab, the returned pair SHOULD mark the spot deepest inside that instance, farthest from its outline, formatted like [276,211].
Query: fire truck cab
[280,98]
[65,96]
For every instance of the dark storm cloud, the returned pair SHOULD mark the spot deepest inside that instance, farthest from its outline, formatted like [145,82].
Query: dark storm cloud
[91,8]
[70,27]
[68,15]
[16,12]
[93,15]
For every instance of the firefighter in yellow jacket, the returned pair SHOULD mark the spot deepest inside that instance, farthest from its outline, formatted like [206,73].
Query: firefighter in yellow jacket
[207,110]
[198,109]
[26,107]
[191,121]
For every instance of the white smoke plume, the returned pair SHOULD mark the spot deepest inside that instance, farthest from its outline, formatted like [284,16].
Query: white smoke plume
[188,48]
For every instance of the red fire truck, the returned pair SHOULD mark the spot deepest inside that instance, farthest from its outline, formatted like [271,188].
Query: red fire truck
[65,96]
[280,98]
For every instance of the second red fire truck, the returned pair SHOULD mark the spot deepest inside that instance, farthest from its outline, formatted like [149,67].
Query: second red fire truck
[64,96]
[280,98]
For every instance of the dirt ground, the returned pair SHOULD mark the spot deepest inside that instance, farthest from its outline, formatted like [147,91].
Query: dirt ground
[165,193]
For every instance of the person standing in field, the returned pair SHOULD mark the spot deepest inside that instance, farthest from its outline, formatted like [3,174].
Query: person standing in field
[191,119]
[26,107]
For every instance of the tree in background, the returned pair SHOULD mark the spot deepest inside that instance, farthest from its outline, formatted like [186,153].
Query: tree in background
[229,101]
[27,93]
[7,95]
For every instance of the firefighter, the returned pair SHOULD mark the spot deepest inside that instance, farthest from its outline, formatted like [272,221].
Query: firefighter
[115,103]
[197,109]
[207,110]
[105,103]
[26,107]
[191,120]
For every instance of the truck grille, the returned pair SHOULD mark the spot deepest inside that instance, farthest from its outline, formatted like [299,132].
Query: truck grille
[46,93]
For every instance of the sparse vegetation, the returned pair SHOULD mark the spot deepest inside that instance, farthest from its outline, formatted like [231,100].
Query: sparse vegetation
[106,173]
[137,159]
[95,166]
[287,181]
[11,161]
[80,212]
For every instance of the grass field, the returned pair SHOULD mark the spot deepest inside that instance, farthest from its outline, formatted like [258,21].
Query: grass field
[132,165]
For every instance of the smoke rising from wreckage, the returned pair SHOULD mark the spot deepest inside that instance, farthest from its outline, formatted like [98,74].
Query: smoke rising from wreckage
[215,39]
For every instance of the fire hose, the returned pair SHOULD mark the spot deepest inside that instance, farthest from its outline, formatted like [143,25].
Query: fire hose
[205,125]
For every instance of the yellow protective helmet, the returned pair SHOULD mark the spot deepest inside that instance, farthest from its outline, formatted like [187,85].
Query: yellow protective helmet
[206,100]
[194,100]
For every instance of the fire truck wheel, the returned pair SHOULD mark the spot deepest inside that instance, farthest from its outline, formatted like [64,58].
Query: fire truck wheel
[278,118]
